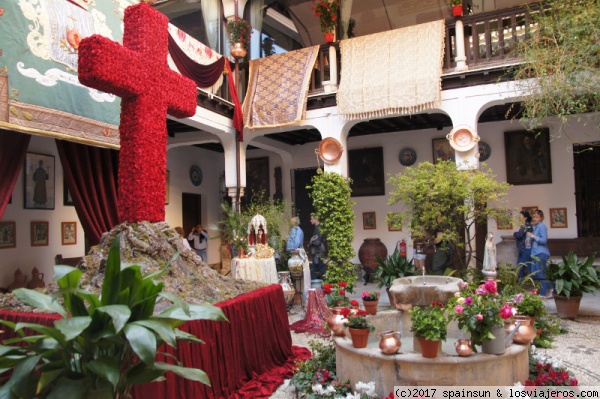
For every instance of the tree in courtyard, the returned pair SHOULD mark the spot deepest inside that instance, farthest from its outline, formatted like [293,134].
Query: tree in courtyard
[464,198]
[330,193]
[563,55]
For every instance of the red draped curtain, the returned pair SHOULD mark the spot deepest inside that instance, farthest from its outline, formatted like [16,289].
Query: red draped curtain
[14,148]
[91,177]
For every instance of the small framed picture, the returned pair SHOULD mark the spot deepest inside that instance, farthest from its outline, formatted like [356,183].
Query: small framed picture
[8,235]
[530,209]
[68,232]
[391,226]
[442,151]
[369,222]
[558,218]
[39,181]
[503,225]
[39,234]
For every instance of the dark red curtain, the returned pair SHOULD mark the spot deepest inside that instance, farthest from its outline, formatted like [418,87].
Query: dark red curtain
[14,147]
[203,75]
[91,176]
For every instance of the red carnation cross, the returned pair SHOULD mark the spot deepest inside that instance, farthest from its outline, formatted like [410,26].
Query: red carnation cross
[138,73]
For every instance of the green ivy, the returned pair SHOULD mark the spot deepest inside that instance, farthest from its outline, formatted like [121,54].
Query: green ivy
[330,193]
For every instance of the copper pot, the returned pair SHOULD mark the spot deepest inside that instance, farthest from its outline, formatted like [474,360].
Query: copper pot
[526,332]
[464,347]
[238,50]
[389,342]
[37,279]
[336,323]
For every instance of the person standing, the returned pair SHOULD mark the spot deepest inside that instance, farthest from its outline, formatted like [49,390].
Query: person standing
[317,250]
[524,244]
[540,252]
[296,238]
[200,237]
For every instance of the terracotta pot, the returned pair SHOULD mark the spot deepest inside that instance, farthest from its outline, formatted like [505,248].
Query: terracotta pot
[371,306]
[457,11]
[368,252]
[360,337]
[336,322]
[329,37]
[567,308]
[429,348]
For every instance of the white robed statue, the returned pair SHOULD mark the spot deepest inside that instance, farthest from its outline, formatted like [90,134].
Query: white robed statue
[489,255]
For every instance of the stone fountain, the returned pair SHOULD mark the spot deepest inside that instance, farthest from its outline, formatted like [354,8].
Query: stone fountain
[408,367]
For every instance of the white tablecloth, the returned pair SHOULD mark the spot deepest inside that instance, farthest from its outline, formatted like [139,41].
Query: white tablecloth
[256,269]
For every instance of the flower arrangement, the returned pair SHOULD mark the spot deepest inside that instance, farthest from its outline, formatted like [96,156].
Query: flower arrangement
[327,11]
[336,294]
[479,310]
[430,322]
[356,319]
[370,296]
[240,242]
[239,31]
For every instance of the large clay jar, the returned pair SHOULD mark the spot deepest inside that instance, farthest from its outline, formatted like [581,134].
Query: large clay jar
[37,279]
[369,251]
[20,281]
[336,322]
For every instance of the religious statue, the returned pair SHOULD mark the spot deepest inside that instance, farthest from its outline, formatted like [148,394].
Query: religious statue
[489,255]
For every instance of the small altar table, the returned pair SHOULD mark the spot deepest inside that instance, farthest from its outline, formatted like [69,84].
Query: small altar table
[256,269]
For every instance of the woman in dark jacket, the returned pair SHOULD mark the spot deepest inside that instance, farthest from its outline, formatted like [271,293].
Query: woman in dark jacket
[524,244]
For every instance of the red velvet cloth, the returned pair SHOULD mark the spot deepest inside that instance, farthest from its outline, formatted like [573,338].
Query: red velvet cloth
[317,312]
[14,147]
[91,176]
[203,75]
[238,119]
[249,357]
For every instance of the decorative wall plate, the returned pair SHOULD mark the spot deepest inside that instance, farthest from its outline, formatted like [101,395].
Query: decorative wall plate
[407,156]
[462,138]
[484,151]
[330,150]
[196,175]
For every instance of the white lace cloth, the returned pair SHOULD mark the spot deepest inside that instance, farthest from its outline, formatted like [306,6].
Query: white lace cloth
[255,269]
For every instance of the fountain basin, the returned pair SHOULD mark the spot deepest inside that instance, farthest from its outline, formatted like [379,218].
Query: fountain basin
[422,290]
[409,368]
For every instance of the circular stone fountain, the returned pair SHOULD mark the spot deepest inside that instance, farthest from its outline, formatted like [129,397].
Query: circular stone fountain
[408,367]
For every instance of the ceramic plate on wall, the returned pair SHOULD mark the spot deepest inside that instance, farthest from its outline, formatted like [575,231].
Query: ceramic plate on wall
[462,138]
[330,150]
[196,175]
[407,156]
[484,151]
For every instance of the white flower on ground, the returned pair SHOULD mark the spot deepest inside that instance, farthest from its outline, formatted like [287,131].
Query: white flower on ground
[353,396]
[366,388]
[319,390]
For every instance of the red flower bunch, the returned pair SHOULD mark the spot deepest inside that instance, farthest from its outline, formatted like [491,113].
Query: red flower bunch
[549,376]
[370,296]
[327,11]
[354,303]
[239,31]
[336,293]
[356,319]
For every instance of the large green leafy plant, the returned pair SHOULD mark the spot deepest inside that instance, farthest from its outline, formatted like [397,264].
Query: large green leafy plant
[330,193]
[103,344]
[395,266]
[573,277]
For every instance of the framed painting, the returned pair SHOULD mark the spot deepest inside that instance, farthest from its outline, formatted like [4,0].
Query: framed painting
[8,235]
[558,218]
[257,180]
[39,234]
[369,221]
[393,227]
[530,209]
[367,172]
[528,157]
[442,150]
[39,181]
[68,233]
[504,225]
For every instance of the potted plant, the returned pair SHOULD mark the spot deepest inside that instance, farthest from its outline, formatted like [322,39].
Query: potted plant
[571,278]
[430,327]
[239,31]
[336,294]
[104,344]
[327,11]
[358,326]
[528,304]
[393,267]
[370,301]
[481,311]
[457,7]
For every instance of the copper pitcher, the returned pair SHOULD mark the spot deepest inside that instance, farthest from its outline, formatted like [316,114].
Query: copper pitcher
[464,347]
[389,342]
[336,322]
[37,279]
[525,333]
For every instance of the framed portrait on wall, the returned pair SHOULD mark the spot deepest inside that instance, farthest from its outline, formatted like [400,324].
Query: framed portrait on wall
[442,150]
[68,233]
[528,157]
[8,235]
[367,172]
[39,181]
[39,234]
[558,218]
[369,221]
[257,180]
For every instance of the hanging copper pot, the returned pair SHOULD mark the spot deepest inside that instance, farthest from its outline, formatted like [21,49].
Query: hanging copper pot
[238,50]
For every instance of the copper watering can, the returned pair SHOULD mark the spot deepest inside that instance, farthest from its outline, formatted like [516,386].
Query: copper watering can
[389,342]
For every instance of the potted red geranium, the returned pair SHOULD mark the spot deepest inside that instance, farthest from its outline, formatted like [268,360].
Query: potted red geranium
[370,301]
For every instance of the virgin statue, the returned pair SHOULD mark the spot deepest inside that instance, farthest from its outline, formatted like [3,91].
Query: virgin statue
[489,255]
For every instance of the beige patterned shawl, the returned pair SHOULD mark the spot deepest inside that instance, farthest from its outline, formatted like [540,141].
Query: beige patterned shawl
[278,87]
[393,72]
